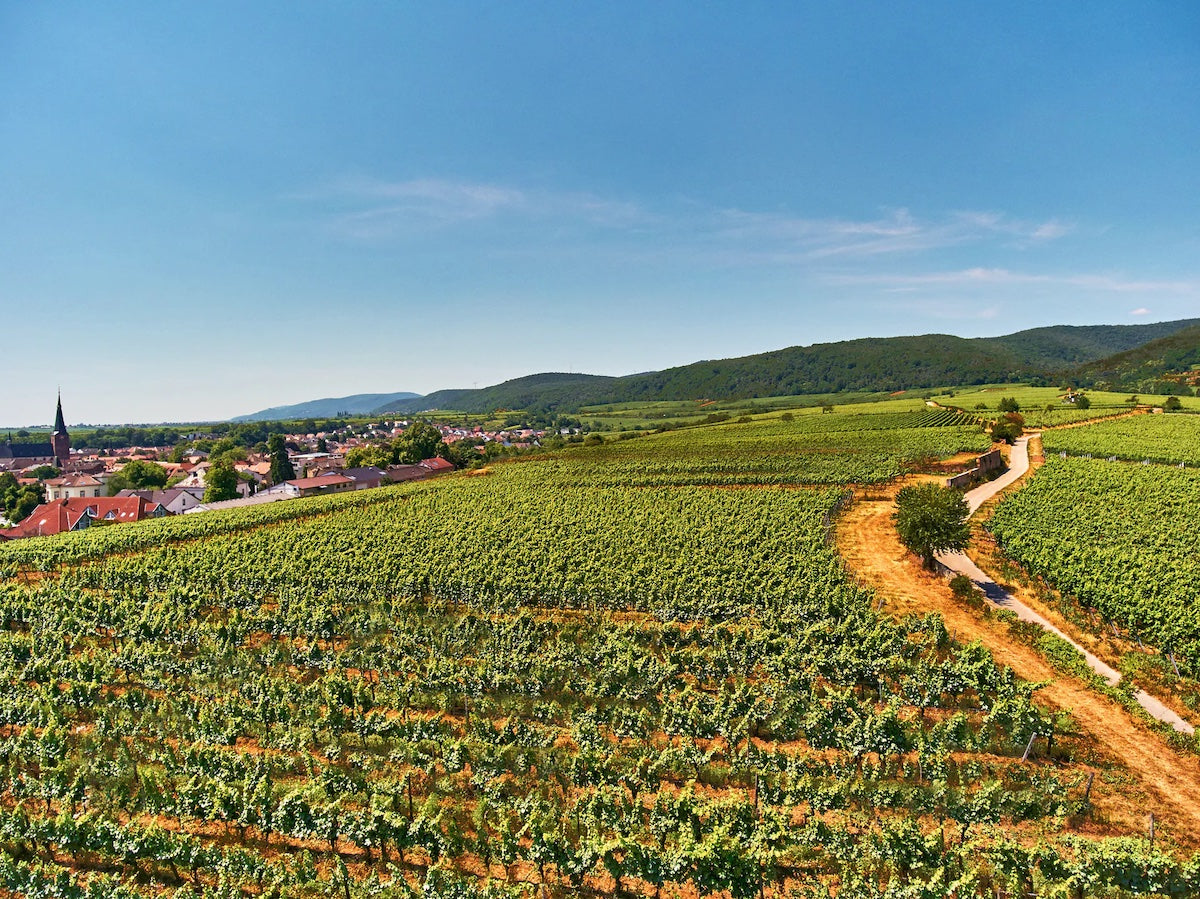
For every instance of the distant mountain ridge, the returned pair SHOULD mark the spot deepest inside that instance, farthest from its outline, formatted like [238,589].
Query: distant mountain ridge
[871,363]
[358,404]
[864,364]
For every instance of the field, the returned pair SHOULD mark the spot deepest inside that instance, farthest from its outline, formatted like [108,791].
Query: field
[860,445]
[1042,407]
[1121,538]
[649,415]
[1157,438]
[595,672]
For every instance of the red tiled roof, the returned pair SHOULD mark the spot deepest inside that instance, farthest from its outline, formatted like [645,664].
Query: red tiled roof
[63,514]
[436,464]
[76,480]
[325,480]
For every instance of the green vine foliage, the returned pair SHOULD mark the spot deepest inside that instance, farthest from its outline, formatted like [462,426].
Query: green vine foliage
[595,671]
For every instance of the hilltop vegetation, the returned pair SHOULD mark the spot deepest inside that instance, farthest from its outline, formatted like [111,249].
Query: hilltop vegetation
[1168,365]
[870,364]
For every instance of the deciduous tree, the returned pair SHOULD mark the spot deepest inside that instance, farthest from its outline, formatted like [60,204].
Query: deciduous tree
[221,483]
[932,519]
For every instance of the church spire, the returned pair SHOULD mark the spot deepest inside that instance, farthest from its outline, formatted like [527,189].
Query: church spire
[60,439]
[60,426]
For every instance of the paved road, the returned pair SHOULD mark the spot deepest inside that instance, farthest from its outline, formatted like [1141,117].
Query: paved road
[999,597]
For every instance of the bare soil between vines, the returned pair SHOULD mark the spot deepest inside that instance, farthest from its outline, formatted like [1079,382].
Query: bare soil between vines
[1163,781]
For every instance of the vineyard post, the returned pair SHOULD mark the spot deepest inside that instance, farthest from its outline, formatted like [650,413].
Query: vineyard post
[1029,748]
[1087,791]
[1152,830]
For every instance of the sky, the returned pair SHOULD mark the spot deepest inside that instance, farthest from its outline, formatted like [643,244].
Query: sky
[210,208]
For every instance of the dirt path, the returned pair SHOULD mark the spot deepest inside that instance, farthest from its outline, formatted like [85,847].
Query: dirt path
[960,563]
[1164,781]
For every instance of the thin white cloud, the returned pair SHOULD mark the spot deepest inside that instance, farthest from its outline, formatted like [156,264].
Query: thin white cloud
[1142,310]
[1052,230]
[371,208]
[994,276]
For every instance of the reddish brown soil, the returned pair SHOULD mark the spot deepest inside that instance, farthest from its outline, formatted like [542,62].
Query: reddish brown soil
[1161,780]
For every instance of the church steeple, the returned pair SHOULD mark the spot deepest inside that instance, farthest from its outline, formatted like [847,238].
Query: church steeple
[60,426]
[61,440]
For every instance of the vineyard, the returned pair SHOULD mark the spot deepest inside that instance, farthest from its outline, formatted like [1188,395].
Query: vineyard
[590,673]
[844,448]
[1157,438]
[1119,537]
[1044,407]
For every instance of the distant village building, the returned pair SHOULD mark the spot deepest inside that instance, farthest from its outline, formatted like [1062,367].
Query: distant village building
[175,500]
[306,464]
[366,478]
[56,452]
[73,486]
[318,486]
[436,465]
[400,473]
[77,514]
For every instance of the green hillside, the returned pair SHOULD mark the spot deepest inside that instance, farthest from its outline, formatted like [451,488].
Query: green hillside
[871,364]
[1166,365]
[549,389]
[1060,346]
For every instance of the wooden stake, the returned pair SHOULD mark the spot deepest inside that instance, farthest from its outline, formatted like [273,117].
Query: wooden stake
[1029,748]
[1152,830]
[1087,793]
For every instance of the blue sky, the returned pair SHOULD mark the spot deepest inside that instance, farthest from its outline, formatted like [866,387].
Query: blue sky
[212,208]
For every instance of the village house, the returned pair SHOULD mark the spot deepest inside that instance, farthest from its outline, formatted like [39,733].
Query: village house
[322,485]
[77,514]
[366,478]
[436,465]
[306,463]
[194,477]
[175,500]
[400,473]
[74,486]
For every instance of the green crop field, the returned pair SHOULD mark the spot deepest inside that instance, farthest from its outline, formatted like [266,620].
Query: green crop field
[592,673]
[1043,407]
[1120,537]
[650,415]
[861,444]
[1158,438]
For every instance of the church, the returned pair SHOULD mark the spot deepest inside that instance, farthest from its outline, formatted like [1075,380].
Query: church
[57,452]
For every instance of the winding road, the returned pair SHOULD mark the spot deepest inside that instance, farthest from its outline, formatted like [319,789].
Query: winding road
[999,597]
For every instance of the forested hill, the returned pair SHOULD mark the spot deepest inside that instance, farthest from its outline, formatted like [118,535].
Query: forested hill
[1059,347]
[1160,366]
[552,390]
[358,404]
[874,363]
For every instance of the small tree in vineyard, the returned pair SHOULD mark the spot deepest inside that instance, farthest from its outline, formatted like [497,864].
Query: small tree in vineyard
[932,519]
